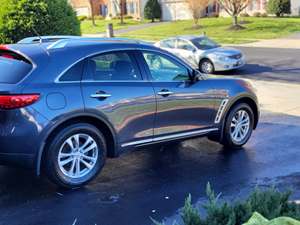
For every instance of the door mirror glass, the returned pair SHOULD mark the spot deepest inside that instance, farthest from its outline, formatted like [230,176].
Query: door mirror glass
[197,76]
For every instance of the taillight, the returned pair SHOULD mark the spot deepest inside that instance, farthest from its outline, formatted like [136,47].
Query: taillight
[17,101]
[7,56]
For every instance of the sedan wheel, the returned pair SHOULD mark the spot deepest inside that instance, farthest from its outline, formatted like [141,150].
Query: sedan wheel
[75,155]
[206,66]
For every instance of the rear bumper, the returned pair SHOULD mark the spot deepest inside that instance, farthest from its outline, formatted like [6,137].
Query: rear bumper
[21,137]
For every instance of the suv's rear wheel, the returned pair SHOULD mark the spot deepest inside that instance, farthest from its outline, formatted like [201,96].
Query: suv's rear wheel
[238,126]
[75,155]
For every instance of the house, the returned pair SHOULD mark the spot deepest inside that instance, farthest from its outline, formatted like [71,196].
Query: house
[179,10]
[171,9]
[85,7]
[261,7]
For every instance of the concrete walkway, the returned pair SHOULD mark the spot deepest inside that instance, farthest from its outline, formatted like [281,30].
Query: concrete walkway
[292,41]
[128,29]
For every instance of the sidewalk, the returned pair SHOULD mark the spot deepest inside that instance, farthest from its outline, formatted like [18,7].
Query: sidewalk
[292,41]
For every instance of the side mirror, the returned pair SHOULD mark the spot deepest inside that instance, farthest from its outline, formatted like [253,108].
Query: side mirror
[196,75]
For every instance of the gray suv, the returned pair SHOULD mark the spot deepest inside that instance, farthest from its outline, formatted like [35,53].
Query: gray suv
[66,105]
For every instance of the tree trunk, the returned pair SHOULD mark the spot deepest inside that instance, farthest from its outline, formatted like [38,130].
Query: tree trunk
[92,13]
[93,20]
[121,11]
[235,20]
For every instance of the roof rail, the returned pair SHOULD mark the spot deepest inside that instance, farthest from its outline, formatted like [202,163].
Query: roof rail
[63,42]
[45,39]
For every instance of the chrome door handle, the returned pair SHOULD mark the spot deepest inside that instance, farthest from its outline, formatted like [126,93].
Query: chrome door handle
[100,95]
[165,93]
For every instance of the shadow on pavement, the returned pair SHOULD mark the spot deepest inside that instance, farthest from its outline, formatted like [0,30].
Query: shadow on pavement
[262,72]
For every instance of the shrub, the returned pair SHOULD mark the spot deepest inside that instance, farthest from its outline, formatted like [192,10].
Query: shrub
[82,18]
[152,10]
[128,17]
[264,15]
[21,18]
[62,19]
[279,7]
[98,17]
[244,15]
[270,203]
[257,14]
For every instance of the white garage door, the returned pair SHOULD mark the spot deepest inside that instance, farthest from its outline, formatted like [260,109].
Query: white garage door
[175,11]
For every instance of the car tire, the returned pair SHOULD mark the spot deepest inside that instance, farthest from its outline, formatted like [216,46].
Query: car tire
[238,126]
[83,145]
[206,66]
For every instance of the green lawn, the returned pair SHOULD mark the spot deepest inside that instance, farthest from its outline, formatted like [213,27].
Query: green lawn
[88,28]
[217,28]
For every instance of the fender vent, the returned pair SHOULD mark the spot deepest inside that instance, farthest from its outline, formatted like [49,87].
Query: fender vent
[221,110]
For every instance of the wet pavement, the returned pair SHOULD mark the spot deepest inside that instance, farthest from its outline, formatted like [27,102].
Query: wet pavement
[153,182]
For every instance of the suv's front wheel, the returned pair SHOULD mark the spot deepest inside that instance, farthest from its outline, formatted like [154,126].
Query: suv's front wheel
[238,126]
[75,155]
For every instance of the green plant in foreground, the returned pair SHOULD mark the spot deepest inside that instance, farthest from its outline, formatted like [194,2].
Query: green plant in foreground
[270,203]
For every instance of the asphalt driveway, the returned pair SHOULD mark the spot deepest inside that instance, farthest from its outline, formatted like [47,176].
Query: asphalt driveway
[269,64]
[153,182]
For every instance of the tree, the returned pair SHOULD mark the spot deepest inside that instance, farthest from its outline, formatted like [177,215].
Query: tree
[197,7]
[62,19]
[152,10]
[234,8]
[92,12]
[279,7]
[122,5]
[21,18]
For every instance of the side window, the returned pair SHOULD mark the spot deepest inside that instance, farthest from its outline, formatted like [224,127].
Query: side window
[74,73]
[163,68]
[113,66]
[182,44]
[167,43]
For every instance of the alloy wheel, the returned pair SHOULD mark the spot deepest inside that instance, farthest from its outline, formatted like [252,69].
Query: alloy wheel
[207,67]
[78,156]
[239,126]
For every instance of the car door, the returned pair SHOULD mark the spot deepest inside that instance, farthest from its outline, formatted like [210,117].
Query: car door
[187,52]
[182,105]
[114,88]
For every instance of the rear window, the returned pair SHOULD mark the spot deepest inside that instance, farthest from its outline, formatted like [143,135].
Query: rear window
[13,67]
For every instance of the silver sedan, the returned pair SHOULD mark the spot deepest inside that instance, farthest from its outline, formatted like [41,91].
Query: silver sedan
[203,53]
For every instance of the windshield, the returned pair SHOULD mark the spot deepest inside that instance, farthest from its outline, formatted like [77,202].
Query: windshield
[205,43]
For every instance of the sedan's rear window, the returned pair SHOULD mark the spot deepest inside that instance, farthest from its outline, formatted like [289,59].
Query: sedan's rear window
[13,67]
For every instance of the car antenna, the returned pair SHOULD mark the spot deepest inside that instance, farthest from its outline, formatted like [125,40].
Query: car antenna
[38,35]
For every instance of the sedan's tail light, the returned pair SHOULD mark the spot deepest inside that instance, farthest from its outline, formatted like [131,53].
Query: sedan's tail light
[17,101]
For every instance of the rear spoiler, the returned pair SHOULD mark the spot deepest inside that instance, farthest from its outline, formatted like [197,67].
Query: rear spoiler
[7,52]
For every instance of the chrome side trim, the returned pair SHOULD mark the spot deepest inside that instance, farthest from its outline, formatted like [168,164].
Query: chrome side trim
[172,136]
[220,112]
